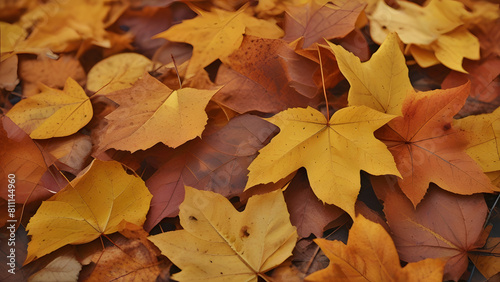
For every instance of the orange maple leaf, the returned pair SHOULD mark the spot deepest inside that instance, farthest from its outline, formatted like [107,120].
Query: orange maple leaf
[428,149]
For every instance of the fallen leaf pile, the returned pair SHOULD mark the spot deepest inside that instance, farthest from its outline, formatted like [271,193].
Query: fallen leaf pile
[297,140]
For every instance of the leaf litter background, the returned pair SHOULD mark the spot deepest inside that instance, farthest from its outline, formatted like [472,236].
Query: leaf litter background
[263,152]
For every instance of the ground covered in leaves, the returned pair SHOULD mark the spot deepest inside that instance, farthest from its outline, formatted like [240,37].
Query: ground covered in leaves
[231,140]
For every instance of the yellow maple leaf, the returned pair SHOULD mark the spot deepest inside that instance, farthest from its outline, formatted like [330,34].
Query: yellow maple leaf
[217,34]
[117,72]
[482,133]
[219,243]
[434,28]
[333,152]
[54,112]
[381,83]
[150,112]
[370,255]
[92,204]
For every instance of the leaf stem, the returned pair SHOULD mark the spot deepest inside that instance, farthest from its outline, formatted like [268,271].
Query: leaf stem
[176,71]
[324,90]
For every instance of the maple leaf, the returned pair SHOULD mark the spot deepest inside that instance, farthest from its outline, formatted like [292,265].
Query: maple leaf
[318,19]
[216,34]
[428,149]
[435,31]
[254,80]
[381,83]
[93,204]
[54,112]
[117,72]
[150,112]
[370,255]
[482,133]
[443,225]
[333,152]
[220,243]
[216,162]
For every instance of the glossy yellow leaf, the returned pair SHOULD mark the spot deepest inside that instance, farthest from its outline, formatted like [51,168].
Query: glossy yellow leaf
[54,112]
[117,72]
[333,153]
[370,255]
[219,243]
[483,135]
[437,27]
[217,34]
[150,112]
[92,204]
[381,83]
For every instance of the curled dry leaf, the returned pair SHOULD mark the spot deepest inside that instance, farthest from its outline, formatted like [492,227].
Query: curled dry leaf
[54,112]
[219,243]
